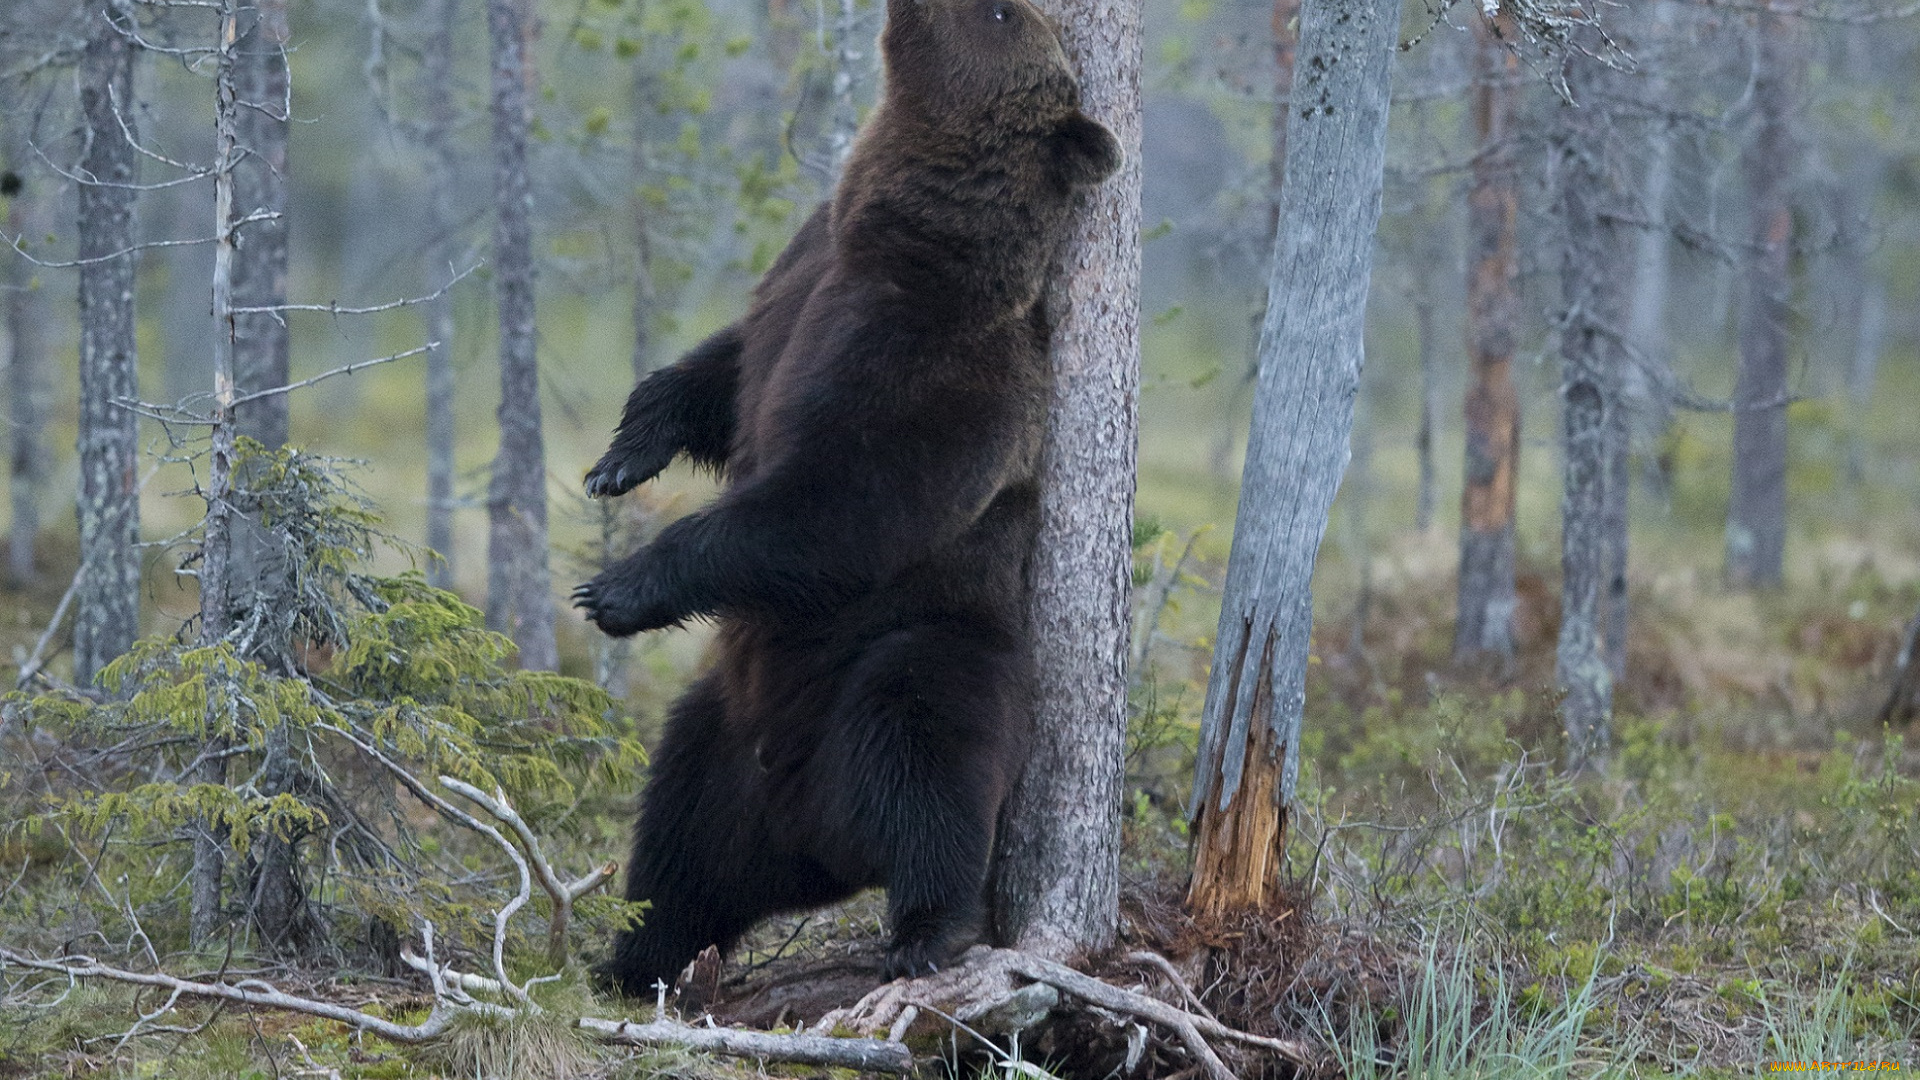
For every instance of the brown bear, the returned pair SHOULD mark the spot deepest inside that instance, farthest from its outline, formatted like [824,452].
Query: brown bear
[878,416]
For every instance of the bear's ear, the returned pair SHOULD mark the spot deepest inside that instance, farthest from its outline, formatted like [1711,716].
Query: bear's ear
[1088,151]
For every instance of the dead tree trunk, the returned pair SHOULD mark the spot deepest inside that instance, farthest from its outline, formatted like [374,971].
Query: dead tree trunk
[29,386]
[216,607]
[1057,890]
[1286,41]
[1310,354]
[519,600]
[107,603]
[1757,505]
[1595,255]
[1483,628]
[437,135]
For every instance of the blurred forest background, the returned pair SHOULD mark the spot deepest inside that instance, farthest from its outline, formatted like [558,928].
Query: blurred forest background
[1745,875]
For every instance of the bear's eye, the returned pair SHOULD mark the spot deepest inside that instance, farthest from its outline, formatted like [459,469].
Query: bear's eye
[1002,12]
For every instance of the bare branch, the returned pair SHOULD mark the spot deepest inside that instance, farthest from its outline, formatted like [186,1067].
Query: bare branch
[1108,996]
[866,1055]
[345,369]
[334,307]
[31,666]
[245,992]
[563,893]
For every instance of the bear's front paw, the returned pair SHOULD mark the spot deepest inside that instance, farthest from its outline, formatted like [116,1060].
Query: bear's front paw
[621,607]
[912,958]
[620,471]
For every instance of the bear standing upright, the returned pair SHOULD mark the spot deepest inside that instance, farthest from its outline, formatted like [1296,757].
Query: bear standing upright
[878,416]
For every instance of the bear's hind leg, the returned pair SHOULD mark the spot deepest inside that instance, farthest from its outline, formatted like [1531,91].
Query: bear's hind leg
[927,740]
[702,855]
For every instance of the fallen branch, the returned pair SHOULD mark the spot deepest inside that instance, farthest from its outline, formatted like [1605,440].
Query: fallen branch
[1108,996]
[981,989]
[245,992]
[870,1055]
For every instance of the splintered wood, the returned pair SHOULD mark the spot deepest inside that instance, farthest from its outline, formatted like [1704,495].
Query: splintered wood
[1237,850]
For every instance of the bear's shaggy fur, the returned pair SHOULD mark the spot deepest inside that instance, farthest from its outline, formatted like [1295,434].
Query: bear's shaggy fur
[878,416]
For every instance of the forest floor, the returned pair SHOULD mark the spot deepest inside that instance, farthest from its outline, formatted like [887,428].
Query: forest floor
[1741,887]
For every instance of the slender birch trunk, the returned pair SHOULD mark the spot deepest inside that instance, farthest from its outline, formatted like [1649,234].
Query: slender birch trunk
[216,606]
[1057,889]
[107,603]
[1483,628]
[646,300]
[29,382]
[519,592]
[442,168]
[1311,349]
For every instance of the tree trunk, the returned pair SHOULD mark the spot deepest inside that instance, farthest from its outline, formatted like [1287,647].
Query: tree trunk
[216,607]
[1649,406]
[519,600]
[1310,354]
[107,603]
[1285,26]
[1426,497]
[260,342]
[1595,258]
[646,306]
[1615,522]
[1286,41]
[260,580]
[1483,628]
[851,62]
[1870,327]
[437,134]
[1057,889]
[29,378]
[1757,505]
[1903,702]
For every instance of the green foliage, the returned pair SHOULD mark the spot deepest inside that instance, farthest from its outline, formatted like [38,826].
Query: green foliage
[392,677]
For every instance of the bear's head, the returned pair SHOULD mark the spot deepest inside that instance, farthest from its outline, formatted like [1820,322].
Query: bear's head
[991,66]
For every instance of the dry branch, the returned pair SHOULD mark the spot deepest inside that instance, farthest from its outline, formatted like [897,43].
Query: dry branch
[1112,997]
[871,1055]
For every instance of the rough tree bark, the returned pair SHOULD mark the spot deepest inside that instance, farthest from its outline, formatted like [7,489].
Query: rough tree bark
[29,384]
[1057,890]
[437,136]
[107,603]
[1595,257]
[1483,628]
[1310,354]
[519,600]
[851,62]
[1757,505]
